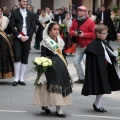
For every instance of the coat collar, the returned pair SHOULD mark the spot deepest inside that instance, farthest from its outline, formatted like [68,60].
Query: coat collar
[18,11]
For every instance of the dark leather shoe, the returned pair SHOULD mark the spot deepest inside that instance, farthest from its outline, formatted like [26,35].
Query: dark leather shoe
[46,110]
[21,83]
[79,81]
[60,115]
[14,83]
[101,109]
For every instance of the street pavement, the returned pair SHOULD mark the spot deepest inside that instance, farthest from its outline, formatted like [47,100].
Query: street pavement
[16,103]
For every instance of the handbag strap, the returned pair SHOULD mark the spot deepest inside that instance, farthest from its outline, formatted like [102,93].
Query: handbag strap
[80,23]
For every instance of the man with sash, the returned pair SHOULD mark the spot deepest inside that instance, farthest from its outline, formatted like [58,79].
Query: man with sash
[22,25]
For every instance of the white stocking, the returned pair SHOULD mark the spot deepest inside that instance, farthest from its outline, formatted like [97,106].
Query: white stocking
[22,71]
[58,109]
[17,70]
[97,101]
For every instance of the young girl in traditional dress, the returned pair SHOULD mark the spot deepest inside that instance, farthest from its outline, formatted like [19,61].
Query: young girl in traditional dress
[57,90]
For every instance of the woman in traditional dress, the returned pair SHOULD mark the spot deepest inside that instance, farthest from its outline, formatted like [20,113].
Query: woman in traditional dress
[6,54]
[56,92]
[42,22]
[100,74]
[49,13]
[69,45]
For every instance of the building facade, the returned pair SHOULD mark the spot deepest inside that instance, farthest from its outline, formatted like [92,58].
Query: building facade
[55,4]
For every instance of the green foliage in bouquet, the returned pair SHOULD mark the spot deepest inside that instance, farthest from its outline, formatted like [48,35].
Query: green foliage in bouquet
[41,65]
[115,9]
[117,19]
[63,29]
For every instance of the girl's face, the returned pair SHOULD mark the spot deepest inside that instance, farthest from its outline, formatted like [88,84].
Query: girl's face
[54,31]
[102,35]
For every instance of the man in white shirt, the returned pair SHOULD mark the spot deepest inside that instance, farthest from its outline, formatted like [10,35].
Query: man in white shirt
[22,25]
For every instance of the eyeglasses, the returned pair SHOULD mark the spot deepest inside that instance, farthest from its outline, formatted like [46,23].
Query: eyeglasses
[104,33]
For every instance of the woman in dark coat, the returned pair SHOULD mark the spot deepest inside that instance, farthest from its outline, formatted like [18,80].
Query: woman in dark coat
[100,74]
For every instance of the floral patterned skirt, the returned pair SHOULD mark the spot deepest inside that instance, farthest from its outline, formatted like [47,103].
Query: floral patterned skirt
[6,62]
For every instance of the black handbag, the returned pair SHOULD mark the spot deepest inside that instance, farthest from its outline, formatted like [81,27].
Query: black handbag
[73,39]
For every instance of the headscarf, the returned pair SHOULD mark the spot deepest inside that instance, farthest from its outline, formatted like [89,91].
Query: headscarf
[46,38]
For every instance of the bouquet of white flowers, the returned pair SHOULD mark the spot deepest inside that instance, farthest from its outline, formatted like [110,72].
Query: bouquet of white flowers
[41,65]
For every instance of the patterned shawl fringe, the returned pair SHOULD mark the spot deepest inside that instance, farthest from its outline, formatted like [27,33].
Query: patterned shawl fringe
[58,89]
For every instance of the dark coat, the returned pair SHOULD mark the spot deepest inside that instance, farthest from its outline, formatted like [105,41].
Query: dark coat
[108,22]
[100,76]
[16,23]
[56,17]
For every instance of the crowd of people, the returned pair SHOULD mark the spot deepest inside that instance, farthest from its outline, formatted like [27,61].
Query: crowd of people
[88,32]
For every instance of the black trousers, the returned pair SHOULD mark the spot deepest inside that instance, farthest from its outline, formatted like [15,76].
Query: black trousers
[21,50]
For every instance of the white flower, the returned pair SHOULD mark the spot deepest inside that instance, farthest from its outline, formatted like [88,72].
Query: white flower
[39,62]
[45,64]
[50,62]
[43,59]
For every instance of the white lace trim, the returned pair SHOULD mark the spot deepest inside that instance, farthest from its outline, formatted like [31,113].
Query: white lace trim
[47,45]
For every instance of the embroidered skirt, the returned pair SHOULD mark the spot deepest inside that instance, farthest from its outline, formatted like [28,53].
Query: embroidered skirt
[6,62]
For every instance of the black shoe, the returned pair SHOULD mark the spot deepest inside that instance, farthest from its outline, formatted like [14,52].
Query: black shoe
[60,115]
[21,83]
[101,109]
[79,81]
[46,110]
[14,83]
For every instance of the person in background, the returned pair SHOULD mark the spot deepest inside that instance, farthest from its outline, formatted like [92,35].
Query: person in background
[74,14]
[65,10]
[15,7]
[57,88]
[38,12]
[43,20]
[69,45]
[104,18]
[59,17]
[22,26]
[49,13]
[6,53]
[83,29]
[5,12]
[29,7]
[90,15]
[100,74]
